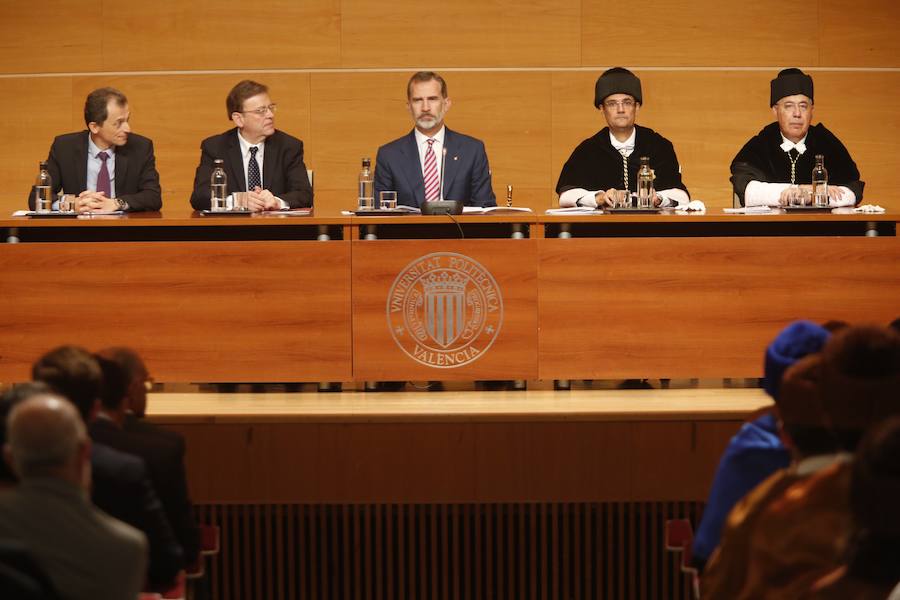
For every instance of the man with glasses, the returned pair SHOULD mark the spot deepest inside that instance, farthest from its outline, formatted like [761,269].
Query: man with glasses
[610,160]
[258,159]
[106,166]
[783,154]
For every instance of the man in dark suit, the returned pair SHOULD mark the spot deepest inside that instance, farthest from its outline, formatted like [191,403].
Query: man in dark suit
[412,164]
[258,159]
[121,487]
[162,453]
[107,166]
[84,552]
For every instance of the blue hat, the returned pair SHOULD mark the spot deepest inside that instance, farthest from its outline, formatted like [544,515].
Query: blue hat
[795,341]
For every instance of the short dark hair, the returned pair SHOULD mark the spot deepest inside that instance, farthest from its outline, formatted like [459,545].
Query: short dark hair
[72,372]
[242,91]
[115,383]
[425,77]
[127,359]
[96,102]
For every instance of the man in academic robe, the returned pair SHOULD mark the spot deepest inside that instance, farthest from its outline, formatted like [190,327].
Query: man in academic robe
[610,160]
[783,154]
[432,162]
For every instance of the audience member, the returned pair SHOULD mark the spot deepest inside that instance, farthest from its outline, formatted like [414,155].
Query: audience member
[163,457]
[756,451]
[121,486]
[803,426]
[12,396]
[802,535]
[84,552]
[871,566]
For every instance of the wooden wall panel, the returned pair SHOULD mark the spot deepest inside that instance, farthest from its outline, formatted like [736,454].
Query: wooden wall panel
[468,33]
[41,109]
[704,32]
[701,307]
[461,462]
[237,299]
[50,36]
[861,34]
[222,34]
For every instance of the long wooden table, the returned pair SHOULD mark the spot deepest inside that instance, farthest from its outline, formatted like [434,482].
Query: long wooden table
[520,296]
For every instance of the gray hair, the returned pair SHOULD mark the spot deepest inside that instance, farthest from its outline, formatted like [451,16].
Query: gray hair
[44,433]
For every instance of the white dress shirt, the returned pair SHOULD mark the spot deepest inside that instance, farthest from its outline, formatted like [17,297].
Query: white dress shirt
[761,193]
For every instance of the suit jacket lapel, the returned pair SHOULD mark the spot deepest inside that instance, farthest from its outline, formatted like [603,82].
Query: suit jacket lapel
[234,158]
[451,163]
[121,168]
[271,156]
[80,165]
[412,167]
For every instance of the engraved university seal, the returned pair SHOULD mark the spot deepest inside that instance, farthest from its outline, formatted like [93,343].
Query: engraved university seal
[444,310]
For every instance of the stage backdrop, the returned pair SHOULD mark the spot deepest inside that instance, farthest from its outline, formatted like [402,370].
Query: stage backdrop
[520,75]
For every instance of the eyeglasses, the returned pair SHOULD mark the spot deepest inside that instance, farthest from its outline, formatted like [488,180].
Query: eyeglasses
[611,104]
[261,111]
[790,106]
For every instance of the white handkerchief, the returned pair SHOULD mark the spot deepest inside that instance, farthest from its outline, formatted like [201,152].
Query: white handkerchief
[869,208]
[695,205]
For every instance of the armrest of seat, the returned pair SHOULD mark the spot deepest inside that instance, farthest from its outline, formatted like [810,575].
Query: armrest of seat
[209,539]
[679,534]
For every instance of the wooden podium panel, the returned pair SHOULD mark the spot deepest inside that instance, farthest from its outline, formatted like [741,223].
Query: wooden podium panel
[196,311]
[444,309]
[700,306]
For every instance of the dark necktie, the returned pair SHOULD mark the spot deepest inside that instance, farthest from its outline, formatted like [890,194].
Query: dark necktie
[793,154]
[103,176]
[253,179]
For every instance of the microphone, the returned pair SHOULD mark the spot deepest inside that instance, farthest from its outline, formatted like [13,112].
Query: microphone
[443,162]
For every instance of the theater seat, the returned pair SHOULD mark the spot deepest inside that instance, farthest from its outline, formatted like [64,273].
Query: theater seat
[679,537]
[177,591]
[209,539]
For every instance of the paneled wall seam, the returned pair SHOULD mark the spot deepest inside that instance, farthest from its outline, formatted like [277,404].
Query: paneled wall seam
[350,70]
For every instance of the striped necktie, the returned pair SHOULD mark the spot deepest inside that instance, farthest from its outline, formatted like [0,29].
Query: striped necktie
[432,182]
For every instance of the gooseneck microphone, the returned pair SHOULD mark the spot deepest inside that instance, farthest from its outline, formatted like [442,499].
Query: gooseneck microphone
[443,162]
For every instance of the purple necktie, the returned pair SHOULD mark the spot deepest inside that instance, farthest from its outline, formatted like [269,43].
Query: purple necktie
[103,176]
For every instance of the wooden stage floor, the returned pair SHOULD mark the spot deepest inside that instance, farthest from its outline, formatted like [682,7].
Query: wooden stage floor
[716,404]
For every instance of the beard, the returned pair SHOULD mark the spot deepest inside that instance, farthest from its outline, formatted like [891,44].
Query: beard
[429,121]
